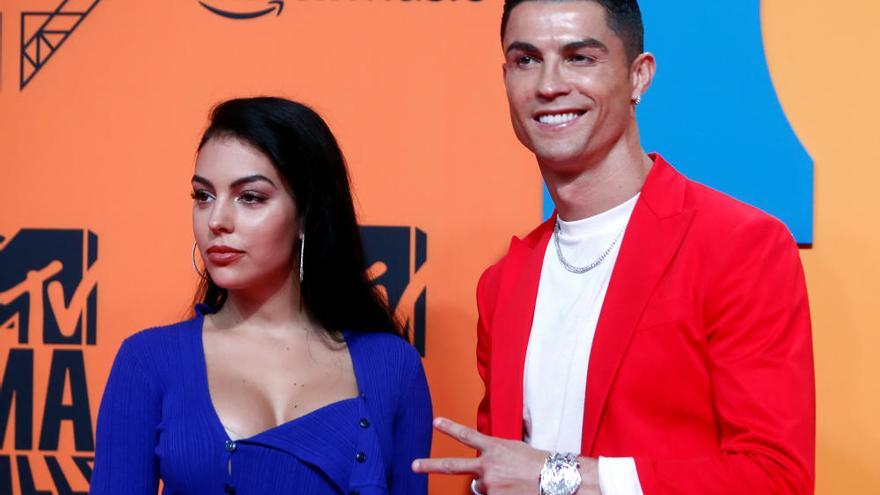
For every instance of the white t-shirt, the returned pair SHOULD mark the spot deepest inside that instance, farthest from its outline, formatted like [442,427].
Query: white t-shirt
[566,313]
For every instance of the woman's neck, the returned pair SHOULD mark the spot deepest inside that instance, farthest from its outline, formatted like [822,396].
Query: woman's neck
[272,305]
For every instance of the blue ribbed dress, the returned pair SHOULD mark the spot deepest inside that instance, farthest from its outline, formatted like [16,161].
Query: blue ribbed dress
[157,421]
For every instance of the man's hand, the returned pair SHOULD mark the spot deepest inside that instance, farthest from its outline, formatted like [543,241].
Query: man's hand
[504,467]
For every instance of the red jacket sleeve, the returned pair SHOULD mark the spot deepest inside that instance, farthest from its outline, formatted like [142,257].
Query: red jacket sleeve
[761,372]
[487,289]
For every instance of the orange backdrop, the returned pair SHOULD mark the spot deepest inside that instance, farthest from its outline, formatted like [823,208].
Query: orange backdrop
[102,138]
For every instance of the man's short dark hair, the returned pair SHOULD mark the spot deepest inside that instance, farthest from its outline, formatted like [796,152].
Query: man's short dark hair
[624,19]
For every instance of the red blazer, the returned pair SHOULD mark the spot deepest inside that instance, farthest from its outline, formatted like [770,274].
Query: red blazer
[701,367]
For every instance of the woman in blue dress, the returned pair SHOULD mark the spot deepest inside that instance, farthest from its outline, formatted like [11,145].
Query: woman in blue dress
[293,376]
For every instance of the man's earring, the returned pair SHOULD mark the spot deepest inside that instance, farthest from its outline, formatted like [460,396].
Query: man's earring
[196,266]
[637,100]
[302,253]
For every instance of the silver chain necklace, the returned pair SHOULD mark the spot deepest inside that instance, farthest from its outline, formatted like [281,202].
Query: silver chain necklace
[581,269]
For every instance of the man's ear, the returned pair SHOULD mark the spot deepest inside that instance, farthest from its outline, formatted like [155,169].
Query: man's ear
[642,74]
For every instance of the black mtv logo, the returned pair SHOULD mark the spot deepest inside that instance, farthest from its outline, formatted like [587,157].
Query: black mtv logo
[48,294]
[48,288]
[394,256]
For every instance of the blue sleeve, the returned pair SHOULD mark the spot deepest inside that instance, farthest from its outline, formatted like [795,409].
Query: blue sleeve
[412,434]
[127,434]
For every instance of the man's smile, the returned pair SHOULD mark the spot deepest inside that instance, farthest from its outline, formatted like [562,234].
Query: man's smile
[558,118]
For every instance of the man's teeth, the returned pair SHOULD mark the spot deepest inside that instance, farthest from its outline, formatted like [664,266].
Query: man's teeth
[557,119]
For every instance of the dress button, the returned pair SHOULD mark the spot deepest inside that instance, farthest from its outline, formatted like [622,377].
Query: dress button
[364,423]
[361,457]
[231,446]
[229,489]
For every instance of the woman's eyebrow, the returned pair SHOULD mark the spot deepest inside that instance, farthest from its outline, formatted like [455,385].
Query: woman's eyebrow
[237,183]
[252,178]
[201,180]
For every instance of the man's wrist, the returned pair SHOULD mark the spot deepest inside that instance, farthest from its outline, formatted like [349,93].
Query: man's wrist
[560,475]
[589,469]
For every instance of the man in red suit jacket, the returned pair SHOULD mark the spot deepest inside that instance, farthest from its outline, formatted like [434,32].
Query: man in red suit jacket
[700,371]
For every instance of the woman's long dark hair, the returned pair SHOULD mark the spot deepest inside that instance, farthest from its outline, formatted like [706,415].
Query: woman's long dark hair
[335,290]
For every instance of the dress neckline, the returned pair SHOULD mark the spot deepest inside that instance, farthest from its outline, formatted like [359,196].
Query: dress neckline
[205,389]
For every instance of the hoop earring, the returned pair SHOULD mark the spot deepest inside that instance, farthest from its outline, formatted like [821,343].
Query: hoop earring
[302,252]
[195,266]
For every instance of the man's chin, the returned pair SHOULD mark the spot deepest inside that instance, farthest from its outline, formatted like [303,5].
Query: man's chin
[560,160]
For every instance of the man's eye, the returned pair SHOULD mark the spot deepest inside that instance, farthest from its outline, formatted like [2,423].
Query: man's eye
[524,60]
[581,59]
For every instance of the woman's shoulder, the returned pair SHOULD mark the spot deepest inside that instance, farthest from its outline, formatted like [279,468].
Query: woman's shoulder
[382,346]
[384,355]
[160,350]
[161,336]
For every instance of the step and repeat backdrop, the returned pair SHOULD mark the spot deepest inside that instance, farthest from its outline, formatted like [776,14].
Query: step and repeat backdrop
[102,103]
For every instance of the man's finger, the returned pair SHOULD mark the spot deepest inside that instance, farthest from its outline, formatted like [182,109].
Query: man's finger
[463,434]
[448,465]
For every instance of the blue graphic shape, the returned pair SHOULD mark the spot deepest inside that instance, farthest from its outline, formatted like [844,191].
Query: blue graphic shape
[403,251]
[713,112]
[30,251]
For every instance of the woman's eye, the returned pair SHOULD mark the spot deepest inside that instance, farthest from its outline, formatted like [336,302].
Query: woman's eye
[251,197]
[201,196]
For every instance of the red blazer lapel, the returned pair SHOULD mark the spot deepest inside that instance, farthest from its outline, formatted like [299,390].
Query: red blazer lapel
[653,236]
[517,294]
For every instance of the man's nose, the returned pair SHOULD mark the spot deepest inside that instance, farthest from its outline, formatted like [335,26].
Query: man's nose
[553,82]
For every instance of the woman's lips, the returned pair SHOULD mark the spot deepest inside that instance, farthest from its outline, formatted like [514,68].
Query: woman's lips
[222,256]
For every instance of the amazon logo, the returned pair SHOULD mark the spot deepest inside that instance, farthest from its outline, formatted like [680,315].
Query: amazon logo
[242,9]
